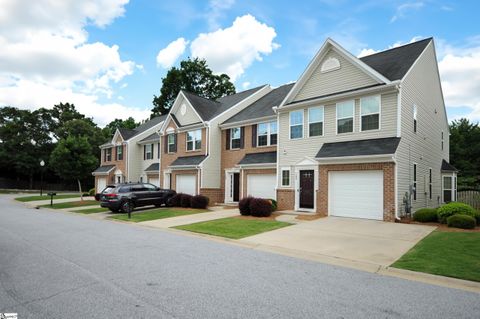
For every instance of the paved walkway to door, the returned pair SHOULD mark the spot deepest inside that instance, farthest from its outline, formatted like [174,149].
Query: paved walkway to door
[357,240]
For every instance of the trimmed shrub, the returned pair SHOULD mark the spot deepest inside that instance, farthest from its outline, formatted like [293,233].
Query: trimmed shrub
[461,221]
[186,200]
[199,201]
[260,207]
[244,205]
[426,215]
[92,192]
[454,208]
[274,204]
[174,201]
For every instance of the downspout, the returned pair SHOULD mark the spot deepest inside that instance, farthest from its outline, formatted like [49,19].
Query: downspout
[159,156]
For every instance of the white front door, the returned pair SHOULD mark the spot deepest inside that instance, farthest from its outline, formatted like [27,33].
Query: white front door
[101,184]
[186,184]
[262,185]
[232,187]
[357,194]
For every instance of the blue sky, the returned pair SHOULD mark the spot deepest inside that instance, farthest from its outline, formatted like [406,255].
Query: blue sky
[102,55]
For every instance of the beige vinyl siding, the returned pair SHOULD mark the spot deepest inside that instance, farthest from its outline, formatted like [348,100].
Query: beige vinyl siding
[348,77]
[190,116]
[293,151]
[211,167]
[422,87]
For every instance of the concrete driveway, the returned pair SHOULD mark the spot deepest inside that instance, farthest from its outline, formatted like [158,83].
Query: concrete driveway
[369,242]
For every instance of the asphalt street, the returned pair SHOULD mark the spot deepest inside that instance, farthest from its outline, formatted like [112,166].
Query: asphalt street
[63,265]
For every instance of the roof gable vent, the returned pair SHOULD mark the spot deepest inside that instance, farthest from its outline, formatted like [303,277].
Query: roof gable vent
[330,64]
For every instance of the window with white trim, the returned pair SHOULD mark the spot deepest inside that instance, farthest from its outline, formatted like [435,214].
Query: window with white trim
[171,143]
[430,182]
[448,189]
[415,118]
[108,154]
[442,140]
[235,136]
[285,177]
[414,181]
[370,113]
[148,151]
[345,112]
[315,121]
[119,152]
[194,140]
[296,124]
[267,134]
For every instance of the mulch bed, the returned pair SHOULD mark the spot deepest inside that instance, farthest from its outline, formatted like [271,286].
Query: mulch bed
[309,217]
[441,227]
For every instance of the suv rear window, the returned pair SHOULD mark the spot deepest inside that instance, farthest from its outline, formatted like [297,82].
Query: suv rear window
[124,189]
[108,189]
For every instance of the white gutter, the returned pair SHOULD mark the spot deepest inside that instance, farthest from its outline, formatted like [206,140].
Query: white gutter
[335,160]
[246,166]
[247,122]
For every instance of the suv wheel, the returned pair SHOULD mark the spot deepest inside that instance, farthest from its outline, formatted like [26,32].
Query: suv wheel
[127,207]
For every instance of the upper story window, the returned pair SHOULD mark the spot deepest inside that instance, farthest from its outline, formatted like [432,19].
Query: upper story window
[442,140]
[235,138]
[119,153]
[345,112]
[414,118]
[315,121]
[194,140]
[296,124]
[267,134]
[171,148]
[370,113]
[108,154]
[414,181]
[148,151]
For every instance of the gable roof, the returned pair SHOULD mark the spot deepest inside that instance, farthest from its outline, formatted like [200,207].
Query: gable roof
[259,158]
[447,167]
[128,134]
[208,109]
[151,138]
[263,106]
[394,63]
[377,146]
[188,160]
[153,167]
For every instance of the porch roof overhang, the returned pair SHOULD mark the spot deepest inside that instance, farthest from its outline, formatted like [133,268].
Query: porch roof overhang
[188,161]
[258,159]
[103,170]
[155,167]
[447,167]
[362,148]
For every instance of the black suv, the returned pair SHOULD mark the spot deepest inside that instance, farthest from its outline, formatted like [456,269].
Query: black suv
[125,197]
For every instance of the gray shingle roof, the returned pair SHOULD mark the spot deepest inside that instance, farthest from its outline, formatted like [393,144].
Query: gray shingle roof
[208,109]
[104,169]
[152,137]
[153,167]
[128,134]
[188,160]
[378,146]
[395,63]
[263,106]
[259,158]
[447,167]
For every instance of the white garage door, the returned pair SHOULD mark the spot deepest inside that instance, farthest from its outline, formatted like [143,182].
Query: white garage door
[154,181]
[101,184]
[262,186]
[186,184]
[357,194]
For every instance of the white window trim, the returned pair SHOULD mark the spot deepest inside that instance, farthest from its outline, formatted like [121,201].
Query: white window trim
[151,152]
[108,154]
[341,118]
[322,121]
[116,152]
[231,138]
[289,177]
[415,118]
[290,125]
[269,134]
[442,141]
[194,140]
[168,143]
[379,113]
[415,180]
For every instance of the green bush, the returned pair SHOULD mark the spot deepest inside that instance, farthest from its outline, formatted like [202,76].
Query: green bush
[454,208]
[426,215]
[274,204]
[461,221]
[92,192]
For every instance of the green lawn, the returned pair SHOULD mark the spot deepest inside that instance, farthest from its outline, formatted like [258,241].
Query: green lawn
[234,228]
[448,254]
[45,197]
[71,204]
[91,210]
[158,214]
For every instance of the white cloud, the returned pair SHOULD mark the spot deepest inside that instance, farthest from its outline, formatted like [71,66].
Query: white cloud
[245,85]
[233,49]
[169,55]
[365,52]
[216,9]
[46,57]
[405,8]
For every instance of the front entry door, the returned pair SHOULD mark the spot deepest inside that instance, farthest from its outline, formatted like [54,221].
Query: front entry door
[236,187]
[306,189]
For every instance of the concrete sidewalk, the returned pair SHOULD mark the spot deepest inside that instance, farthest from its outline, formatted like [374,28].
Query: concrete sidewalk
[190,219]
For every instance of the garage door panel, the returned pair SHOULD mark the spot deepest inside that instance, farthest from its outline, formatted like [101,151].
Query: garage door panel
[357,194]
[186,184]
[154,181]
[101,184]
[261,185]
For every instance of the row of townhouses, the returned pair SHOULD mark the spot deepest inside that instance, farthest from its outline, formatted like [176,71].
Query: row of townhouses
[351,137]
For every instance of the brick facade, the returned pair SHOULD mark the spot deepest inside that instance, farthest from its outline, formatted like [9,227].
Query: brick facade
[214,194]
[388,185]
[285,199]
[121,165]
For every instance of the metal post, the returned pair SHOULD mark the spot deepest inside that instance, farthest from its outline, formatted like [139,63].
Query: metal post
[41,182]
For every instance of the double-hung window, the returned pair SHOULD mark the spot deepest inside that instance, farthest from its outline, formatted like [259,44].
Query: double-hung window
[235,138]
[442,140]
[345,112]
[267,134]
[119,153]
[148,151]
[108,154]
[194,140]
[285,177]
[315,121]
[370,113]
[447,189]
[171,143]
[296,124]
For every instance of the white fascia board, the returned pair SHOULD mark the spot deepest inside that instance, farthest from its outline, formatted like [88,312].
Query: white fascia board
[256,166]
[357,159]
[248,122]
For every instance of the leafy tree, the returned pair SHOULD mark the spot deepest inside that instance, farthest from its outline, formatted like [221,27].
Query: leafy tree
[194,76]
[465,149]
[61,114]
[111,127]
[73,160]
[83,128]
